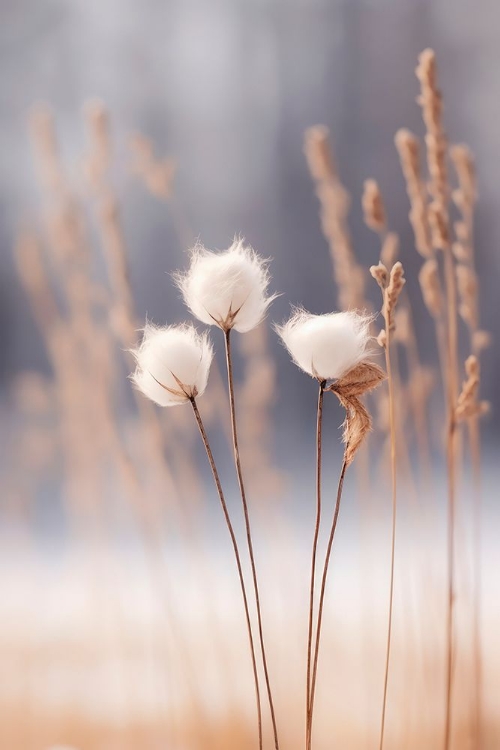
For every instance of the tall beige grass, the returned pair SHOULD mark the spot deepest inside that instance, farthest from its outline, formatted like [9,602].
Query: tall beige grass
[124,467]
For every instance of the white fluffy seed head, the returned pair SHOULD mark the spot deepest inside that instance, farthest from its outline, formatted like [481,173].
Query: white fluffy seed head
[326,346]
[227,289]
[173,363]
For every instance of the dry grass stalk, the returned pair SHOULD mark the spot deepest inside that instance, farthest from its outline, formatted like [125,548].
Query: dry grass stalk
[431,104]
[409,154]
[375,219]
[70,257]
[391,285]
[465,197]
[334,201]
[160,447]
[82,353]
[124,319]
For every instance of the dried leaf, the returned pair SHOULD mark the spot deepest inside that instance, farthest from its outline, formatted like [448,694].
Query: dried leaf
[361,379]
[357,425]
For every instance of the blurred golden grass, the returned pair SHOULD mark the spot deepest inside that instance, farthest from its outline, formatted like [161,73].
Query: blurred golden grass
[119,467]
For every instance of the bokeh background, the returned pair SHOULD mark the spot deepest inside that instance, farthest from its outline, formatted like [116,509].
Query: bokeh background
[226,89]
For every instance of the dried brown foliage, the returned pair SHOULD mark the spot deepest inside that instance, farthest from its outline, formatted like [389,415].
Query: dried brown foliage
[362,379]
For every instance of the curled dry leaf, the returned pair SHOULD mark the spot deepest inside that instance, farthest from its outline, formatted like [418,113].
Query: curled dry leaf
[361,379]
[357,425]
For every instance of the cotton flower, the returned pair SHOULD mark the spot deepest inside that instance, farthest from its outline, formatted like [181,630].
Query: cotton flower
[326,346]
[227,289]
[172,364]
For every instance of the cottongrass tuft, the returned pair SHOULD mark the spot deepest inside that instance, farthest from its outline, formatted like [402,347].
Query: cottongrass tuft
[326,346]
[227,289]
[173,363]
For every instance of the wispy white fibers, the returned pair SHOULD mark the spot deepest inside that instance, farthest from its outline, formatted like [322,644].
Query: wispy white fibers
[326,346]
[227,289]
[173,363]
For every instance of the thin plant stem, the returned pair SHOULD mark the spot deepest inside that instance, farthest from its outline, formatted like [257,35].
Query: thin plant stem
[229,525]
[392,422]
[319,425]
[237,462]
[475,447]
[474,434]
[322,594]
[452,339]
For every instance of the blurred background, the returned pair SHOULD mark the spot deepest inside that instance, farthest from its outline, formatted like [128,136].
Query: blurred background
[179,120]
[226,89]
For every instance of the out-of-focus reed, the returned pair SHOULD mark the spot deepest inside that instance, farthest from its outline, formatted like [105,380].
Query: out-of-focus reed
[121,468]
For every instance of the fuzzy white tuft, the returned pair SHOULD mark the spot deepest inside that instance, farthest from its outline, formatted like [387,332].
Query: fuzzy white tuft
[326,346]
[173,363]
[227,289]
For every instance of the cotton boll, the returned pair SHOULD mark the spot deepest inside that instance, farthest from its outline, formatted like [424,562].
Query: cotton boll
[172,364]
[227,289]
[326,346]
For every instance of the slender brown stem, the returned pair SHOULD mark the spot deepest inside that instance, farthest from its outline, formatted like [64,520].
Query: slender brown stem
[452,390]
[319,425]
[322,595]
[451,584]
[229,525]
[239,473]
[475,446]
[392,421]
